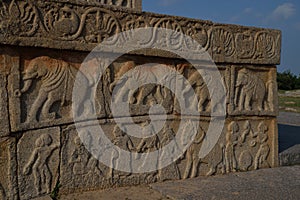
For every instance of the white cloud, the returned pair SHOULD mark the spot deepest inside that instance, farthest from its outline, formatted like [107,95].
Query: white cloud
[248,10]
[284,11]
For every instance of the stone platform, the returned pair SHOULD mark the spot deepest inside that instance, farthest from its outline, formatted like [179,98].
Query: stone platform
[269,184]
[43,44]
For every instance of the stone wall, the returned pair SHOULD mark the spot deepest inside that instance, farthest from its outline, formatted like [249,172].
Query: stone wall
[43,44]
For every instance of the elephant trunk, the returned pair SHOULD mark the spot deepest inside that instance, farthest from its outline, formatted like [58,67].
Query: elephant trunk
[26,86]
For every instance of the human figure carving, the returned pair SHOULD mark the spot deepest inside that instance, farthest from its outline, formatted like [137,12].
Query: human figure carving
[57,81]
[191,153]
[246,140]
[170,172]
[250,90]
[38,163]
[148,145]
[231,142]
[264,149]
[123,141]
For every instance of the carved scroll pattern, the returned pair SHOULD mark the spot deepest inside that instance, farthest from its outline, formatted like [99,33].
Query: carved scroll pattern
[91,25]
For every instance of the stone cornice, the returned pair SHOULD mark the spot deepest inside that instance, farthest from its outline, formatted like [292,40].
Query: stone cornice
[75,25]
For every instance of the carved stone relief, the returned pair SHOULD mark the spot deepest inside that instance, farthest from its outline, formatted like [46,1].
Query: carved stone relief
[125,76]
[4,123]
[38,162]
[43,93]
[245,145]
[200,83]
[86,25]
[253,91]
[8,169]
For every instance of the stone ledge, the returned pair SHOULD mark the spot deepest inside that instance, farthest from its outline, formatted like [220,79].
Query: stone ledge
[83,29]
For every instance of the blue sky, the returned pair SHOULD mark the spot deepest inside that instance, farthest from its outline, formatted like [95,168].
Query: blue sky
[276,14]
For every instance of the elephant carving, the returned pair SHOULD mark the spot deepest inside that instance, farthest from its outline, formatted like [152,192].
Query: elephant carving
[57,79]
[250,91]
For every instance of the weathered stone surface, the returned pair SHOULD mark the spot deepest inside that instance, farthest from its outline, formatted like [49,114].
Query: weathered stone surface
[290,156]
[132,193]
[278,183]
[80,30]
[37,101]
[4,121]
[8,169]
[38,162]
[41,145]
[245,144]
[131,4]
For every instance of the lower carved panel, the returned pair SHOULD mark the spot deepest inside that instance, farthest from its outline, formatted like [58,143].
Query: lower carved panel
[38,162]
[245,144]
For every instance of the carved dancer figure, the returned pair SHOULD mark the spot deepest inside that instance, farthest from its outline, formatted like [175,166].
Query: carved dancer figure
[38,163]
[247,142]
[231,142]
[148,145]
[79,157]
[57,79]
[172,171]
[123,141]
[191,153]
[250,90]
[264,149]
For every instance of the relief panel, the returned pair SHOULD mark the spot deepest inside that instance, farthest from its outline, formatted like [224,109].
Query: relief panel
[8,169]
[253,91]
[38,162]
[200,83]
[41,90]
[246,144]
[80,171]
[127,81]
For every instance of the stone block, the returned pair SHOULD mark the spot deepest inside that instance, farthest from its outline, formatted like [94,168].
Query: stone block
[45,43]
[8,169]
[38,162]
[81,31]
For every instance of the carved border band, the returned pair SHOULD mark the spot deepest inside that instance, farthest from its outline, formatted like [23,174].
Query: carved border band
[81,27]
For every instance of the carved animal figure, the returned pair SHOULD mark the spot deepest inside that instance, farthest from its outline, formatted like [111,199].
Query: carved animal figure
[137,77]
[250,89]
[201,91]
[57,81]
